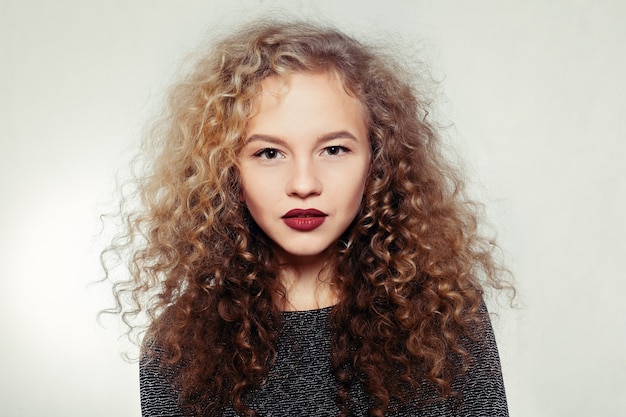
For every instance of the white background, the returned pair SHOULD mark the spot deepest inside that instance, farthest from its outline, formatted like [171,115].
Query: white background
[537,95]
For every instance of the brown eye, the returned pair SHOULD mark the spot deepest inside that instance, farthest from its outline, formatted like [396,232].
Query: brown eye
[270,153]
[267,153]
[335,150]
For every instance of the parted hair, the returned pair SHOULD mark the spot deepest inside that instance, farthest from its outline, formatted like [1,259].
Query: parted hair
[409,271]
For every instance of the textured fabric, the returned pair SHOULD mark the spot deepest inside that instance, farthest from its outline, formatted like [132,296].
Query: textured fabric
[301,382]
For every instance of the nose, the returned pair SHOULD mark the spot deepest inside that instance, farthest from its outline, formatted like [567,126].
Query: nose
[305,180]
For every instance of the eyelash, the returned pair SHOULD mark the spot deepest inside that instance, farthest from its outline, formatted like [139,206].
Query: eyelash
[340,149]
[265,152]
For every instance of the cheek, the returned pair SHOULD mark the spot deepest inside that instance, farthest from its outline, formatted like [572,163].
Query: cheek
[247,184]
[354,198]
[254,195]
[365,177]
[244,187]
[248,198]
[359,193]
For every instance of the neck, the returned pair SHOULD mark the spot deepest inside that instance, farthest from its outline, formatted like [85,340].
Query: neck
[308,284]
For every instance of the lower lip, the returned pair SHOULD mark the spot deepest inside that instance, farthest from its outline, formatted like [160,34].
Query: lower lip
[304,224]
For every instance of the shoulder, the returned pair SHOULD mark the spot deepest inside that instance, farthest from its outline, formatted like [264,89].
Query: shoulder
[157,387]
[481,387]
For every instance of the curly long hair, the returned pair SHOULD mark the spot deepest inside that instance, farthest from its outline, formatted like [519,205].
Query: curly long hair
[409,271]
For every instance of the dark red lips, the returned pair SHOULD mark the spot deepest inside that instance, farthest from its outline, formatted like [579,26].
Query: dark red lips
[304,220]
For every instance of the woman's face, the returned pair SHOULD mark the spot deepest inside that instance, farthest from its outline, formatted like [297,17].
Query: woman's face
[305,162]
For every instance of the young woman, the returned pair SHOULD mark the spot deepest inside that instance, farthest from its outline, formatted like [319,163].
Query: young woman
[306,251]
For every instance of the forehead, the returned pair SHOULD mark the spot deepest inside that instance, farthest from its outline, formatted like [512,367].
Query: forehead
[305,107]
[304,88]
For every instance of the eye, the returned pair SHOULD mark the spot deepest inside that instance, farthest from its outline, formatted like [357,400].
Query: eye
[335,150]
[268,153]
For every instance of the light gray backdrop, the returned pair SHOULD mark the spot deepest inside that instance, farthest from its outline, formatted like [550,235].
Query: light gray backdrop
[535,90]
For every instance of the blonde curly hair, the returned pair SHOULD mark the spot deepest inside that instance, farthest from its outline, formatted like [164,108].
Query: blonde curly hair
[409,270]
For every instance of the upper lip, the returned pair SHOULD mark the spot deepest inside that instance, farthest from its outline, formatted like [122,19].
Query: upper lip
[304,213]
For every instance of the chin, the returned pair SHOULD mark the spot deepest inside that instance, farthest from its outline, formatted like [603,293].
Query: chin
[299,252]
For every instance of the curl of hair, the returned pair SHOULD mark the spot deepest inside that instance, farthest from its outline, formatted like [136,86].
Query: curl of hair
[409,270]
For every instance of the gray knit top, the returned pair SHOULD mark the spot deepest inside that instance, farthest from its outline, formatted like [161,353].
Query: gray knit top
[301,382]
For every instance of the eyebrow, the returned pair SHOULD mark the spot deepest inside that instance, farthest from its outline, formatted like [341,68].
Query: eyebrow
[344,134]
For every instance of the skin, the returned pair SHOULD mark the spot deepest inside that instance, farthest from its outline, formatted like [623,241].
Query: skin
[306,147]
